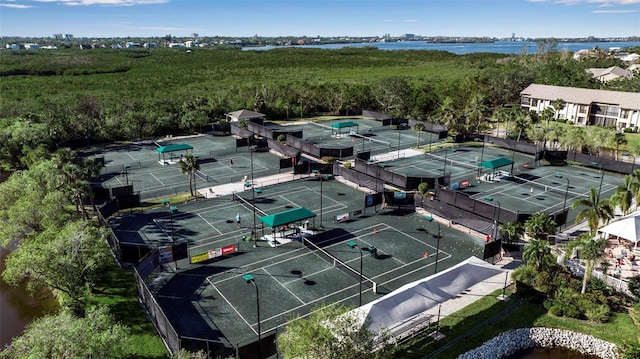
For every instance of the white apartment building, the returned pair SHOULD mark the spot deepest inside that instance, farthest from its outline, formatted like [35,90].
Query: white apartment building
[585,106]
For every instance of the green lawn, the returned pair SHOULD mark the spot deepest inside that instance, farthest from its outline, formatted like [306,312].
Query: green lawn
[467,328]
[117,291]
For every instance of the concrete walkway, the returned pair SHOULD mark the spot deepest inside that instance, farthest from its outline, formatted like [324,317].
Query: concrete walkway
[236,187]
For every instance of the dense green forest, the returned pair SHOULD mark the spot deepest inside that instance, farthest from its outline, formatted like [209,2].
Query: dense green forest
[50,97]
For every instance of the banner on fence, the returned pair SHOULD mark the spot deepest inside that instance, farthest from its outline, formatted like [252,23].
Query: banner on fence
[214,253]
[166,254]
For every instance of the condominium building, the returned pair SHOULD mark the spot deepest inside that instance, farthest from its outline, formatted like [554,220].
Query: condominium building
[585,106]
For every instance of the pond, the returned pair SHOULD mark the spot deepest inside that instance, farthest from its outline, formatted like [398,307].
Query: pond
[550,353]
[19,307]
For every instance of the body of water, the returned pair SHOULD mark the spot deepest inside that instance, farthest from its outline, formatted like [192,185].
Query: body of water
[18,307]
[550,353]
[501,47]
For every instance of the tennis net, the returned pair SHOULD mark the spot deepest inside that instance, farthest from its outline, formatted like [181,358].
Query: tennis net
[546,188]
[370,139]
[247,204]
[340,264]
[202,175]
[453,163]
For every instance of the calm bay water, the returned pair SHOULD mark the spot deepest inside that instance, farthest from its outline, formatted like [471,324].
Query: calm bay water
[18,307]
[501,47]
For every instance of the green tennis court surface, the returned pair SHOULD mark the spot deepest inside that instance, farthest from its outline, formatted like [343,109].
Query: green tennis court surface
[138,164]
[292,278]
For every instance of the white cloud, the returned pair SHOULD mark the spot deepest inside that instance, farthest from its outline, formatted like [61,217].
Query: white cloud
[613,11]
[16,6]
[105,2]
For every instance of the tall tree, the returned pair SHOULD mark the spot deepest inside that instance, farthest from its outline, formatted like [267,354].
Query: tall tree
[189,165]
[418,127]
[66,336]
[623,196]
[539,226]
[619,139]
[512,231]
[537,254]
[590,250]
[331,332]
[597,211]
[67,261]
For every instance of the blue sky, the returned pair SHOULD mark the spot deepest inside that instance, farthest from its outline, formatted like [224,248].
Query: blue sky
[494,18]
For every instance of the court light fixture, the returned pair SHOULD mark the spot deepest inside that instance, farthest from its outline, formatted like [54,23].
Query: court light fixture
[249,278]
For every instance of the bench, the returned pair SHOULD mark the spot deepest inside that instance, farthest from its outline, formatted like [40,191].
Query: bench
[428,218]
[488,198]
[258,190]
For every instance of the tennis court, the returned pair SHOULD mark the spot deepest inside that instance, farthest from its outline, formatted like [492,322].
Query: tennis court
[295,278]
[220,162]
[368,135]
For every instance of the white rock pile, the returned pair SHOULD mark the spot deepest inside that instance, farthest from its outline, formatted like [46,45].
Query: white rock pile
[510,342]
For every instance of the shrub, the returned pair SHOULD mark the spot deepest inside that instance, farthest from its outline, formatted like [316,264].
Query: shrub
[598,313]
[328,159]
[634,285]
[347,165]
[423,188]
[282,137]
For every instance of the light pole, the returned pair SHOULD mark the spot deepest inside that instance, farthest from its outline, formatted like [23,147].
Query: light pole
[444,169]
[353,244]
[601,177]
[173,239]
[481,155]
[253,193]
[250,279]
[430,219]
[564,204]
[320,176]
[126,172]
[496,222]
[398,125]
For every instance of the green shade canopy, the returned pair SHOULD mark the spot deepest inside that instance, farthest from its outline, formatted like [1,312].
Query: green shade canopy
[176,147]
[497,163]
[345,124]
[286,217]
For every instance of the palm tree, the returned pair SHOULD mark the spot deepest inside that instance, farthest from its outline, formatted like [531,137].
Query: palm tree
[418,127]
[521,122]
[189,165]
[558,105]
[512,231]
[597,210]
[537,254]
[619,139]
[590,250]
[539,226]
[623,196]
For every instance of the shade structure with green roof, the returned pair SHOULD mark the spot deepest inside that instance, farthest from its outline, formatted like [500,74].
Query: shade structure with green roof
[172,148]
[345,124]
[496,163]
[286,217]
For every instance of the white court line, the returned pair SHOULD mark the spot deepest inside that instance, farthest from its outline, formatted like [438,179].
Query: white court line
[210,224]
[232,306]
[156,178]
[287,289]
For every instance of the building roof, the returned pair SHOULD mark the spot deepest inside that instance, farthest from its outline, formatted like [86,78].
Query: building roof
[286,217]
[176,147]
[626,100]
[597,72]
[240,114]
